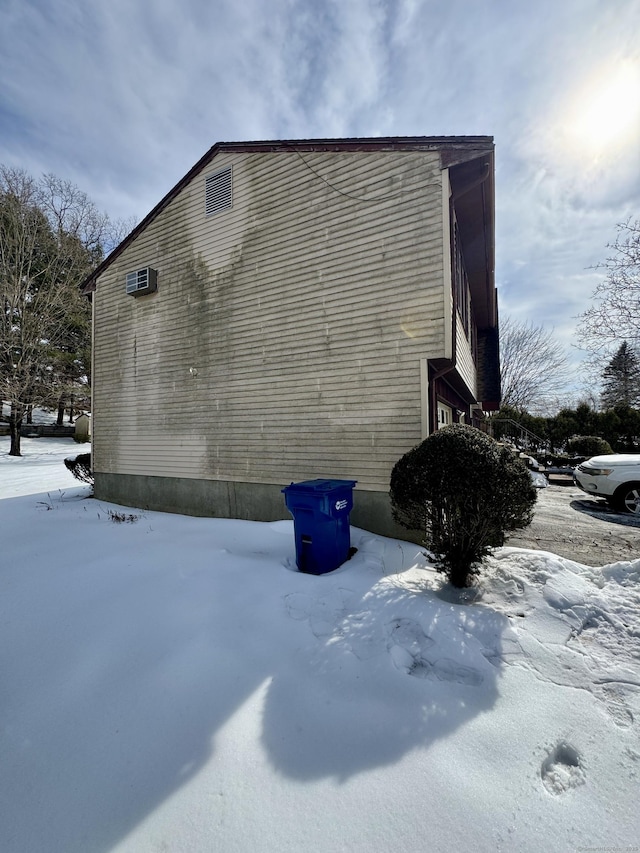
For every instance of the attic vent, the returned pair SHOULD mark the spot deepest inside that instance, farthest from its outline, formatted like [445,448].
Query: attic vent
[142,281]
[218,191]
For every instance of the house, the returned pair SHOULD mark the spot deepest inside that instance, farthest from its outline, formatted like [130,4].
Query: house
[294,310]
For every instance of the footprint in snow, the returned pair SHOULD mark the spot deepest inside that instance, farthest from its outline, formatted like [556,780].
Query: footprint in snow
[613,697]
[324,614]
[409,636]
[562,769]
[412,652]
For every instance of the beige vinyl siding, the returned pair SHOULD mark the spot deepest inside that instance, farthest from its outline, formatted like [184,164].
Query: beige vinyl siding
[464,360]
[285,339]
[447,279]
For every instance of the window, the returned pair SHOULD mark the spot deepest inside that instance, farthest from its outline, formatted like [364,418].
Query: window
[444,415]
[218,192]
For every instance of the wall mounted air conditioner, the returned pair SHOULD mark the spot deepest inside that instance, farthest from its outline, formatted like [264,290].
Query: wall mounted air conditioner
[142,282]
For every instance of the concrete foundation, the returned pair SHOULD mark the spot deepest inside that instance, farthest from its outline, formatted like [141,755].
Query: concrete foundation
[220,499]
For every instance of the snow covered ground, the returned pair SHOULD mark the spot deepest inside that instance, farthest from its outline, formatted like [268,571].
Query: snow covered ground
[173,684]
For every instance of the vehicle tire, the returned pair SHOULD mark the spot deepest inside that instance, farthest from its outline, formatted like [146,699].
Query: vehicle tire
[627,498]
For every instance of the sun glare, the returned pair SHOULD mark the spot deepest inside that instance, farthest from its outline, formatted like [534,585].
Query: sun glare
[608,109]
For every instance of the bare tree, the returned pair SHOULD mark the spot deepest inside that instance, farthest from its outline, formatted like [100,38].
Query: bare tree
[534,368]
[51,236]
[615,314]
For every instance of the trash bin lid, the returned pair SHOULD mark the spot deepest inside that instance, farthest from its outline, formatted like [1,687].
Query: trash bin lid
[320,486]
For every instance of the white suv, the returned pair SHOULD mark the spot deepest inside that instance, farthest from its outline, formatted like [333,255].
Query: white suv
[615,477]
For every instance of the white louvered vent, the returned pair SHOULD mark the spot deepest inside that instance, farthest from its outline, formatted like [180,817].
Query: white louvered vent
[218,191]
[142,281]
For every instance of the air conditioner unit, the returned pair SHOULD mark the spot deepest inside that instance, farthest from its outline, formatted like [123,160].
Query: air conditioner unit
[141,282]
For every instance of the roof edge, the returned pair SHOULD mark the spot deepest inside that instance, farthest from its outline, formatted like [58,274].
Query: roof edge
[392,143]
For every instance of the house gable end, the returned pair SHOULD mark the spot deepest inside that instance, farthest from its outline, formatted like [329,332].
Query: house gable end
[453,150]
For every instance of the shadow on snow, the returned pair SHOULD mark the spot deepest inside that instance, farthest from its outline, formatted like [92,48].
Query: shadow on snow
[122,662]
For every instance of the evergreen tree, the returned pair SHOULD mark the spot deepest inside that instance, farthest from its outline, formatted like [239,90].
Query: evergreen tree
[621,385]
[464,492]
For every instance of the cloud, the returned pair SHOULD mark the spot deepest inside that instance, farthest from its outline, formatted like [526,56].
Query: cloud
[123,98]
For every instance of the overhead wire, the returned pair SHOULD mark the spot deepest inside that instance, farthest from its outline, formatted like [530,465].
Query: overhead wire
[371,200]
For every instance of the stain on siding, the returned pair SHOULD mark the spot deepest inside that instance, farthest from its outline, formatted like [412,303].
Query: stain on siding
[284,341]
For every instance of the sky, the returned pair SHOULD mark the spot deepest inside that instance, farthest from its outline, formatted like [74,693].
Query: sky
[122,98]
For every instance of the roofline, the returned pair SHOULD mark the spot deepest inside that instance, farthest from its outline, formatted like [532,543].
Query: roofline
[393,143]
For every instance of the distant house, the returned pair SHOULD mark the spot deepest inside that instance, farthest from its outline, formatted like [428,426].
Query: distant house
[293,310]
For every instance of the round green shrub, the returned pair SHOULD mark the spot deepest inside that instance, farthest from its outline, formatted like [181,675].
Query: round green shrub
[588,445]
[464,492]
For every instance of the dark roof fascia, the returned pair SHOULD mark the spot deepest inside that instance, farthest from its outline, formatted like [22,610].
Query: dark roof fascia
[474,201]
[454,149]
[489,391]
[363,143]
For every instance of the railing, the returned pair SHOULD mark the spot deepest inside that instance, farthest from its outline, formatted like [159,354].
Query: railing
[515,431]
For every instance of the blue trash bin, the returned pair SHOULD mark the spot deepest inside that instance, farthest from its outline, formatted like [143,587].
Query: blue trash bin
[320,510]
